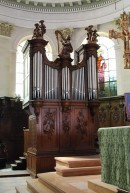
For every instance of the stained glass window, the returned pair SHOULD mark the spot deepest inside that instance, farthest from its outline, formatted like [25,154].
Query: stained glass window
[107,82]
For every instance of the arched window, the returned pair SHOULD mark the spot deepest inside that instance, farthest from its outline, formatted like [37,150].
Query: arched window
[21,72]
[107,82]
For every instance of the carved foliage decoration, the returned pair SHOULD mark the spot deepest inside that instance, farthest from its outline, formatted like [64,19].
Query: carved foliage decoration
[49,123]
[6,29]
[115,114]
[82,124]
[103,114]
[66,123]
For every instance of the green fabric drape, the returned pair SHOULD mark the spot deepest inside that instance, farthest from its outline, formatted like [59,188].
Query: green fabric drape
[114,145]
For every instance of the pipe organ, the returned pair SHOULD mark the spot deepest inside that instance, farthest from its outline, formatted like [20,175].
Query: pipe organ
[63,101]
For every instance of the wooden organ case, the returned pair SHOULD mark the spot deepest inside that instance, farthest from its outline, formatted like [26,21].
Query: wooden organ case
[63,101]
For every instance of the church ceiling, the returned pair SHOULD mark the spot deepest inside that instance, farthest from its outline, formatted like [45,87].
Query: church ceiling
[58,5]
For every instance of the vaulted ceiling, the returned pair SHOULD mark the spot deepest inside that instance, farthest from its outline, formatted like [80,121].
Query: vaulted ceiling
[61,13]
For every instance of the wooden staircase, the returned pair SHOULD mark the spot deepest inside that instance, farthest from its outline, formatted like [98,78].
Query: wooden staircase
[72,178]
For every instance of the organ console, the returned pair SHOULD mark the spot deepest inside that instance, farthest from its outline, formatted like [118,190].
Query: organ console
[63,101]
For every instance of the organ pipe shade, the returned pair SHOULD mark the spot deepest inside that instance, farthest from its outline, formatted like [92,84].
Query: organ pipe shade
[92,78]
[37,75]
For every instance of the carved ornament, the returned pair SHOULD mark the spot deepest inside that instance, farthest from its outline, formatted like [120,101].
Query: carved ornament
[66,123]
[49,123]
[66,106]
[39,31]
[64,44]
[91,34]
[82,124]
[123,23]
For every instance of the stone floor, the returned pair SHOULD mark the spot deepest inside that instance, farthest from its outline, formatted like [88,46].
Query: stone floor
[7,184]
[10,178]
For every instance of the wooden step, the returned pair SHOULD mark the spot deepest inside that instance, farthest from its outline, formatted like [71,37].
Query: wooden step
[82,161]
[22,189]
[76,184]
[37,187]
[100,187]
[51,182]
[65,171]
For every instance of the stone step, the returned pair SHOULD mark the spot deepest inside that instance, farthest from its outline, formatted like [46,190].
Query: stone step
[36,186]
[65,171]
[82,161]
[19,164]
[14,166]
[100,187]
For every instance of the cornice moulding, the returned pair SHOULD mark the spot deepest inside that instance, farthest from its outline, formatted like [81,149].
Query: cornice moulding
[73,6]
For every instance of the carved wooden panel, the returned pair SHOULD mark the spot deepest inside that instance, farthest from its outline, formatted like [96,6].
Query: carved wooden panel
[80,129]
[65,131]
[112,112]
[48,129]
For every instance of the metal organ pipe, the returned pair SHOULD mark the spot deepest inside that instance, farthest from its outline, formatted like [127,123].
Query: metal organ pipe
[94,78]
[89,79]
[37,75]
[56,83]
[40,76]
[51,82]
[73,84]
[83,84]
[34,77]
[78,84]
[68,84]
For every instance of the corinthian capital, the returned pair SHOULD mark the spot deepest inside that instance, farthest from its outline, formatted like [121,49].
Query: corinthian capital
[6,29]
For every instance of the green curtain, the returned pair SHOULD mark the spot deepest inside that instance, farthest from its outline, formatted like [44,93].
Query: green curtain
[114,146]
